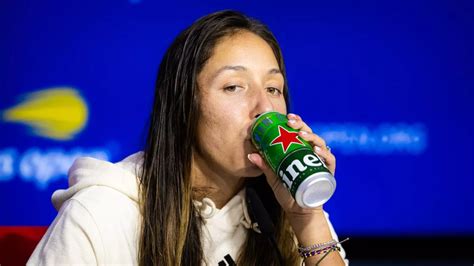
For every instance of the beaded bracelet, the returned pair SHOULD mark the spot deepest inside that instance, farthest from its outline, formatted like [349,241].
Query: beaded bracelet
[315,246]
[327,253]
[318,251]
[322,248]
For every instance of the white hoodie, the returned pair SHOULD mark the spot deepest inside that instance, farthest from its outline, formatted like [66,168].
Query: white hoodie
[98,219]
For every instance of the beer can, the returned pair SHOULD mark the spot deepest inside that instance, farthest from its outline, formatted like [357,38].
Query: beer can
[292,158]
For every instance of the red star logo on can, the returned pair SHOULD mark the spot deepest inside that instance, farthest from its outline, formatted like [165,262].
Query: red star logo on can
[286,138]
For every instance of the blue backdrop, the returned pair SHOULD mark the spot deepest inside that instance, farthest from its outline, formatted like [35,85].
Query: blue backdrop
[388,84]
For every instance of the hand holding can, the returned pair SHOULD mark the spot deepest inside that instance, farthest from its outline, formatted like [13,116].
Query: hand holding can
[292,159]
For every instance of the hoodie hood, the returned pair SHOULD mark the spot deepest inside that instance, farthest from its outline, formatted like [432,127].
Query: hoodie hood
[86,172]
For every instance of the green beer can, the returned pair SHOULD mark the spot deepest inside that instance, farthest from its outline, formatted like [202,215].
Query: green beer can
[292,158]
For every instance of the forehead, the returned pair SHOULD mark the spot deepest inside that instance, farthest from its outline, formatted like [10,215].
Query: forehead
[242,48]
[242,40]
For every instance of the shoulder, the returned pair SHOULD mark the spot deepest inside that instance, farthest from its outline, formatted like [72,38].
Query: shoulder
[99,199]
[117,219]
[98,225]
[72,238]
[112,211]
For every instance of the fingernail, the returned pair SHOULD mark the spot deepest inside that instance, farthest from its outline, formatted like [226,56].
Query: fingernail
[291,121]
[249,156]
[303,132]
[317,148]
[290,115]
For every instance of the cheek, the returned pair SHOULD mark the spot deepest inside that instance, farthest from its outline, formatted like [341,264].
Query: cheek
[215,126]
[280,106]
[224,113]
[215,117]
[221,132]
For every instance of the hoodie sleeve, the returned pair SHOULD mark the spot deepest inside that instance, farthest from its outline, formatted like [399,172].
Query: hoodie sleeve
[72,238]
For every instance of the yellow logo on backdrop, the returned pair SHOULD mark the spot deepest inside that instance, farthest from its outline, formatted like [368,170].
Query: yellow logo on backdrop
[56,113]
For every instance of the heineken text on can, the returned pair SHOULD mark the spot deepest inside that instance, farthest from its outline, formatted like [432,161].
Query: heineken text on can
[293,160]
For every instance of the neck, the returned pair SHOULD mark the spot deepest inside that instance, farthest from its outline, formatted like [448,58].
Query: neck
[212,184]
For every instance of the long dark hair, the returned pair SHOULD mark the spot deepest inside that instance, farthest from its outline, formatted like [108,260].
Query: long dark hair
[170,228]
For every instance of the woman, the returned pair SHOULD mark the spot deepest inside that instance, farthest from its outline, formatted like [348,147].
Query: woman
[182,201]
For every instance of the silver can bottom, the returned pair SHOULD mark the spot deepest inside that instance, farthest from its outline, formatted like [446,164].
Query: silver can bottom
[315,190]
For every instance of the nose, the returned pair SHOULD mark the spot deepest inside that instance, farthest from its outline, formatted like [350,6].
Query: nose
[262,104]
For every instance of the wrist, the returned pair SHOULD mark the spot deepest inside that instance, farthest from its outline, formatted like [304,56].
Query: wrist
[311,228]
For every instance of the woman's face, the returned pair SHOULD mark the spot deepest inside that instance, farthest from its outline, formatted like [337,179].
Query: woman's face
[240,80]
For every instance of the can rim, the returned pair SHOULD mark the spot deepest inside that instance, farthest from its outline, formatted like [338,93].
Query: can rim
[256,119]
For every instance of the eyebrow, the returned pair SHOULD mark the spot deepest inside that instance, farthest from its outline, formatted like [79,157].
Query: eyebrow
[241,68]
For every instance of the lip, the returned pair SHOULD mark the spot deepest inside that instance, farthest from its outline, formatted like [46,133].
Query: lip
[249,130]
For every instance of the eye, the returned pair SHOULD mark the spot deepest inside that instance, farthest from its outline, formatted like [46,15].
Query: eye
[274,91]
[232,88]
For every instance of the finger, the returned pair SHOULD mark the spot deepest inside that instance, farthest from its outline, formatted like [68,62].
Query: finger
[328,157]
[313,139]
[296,122]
